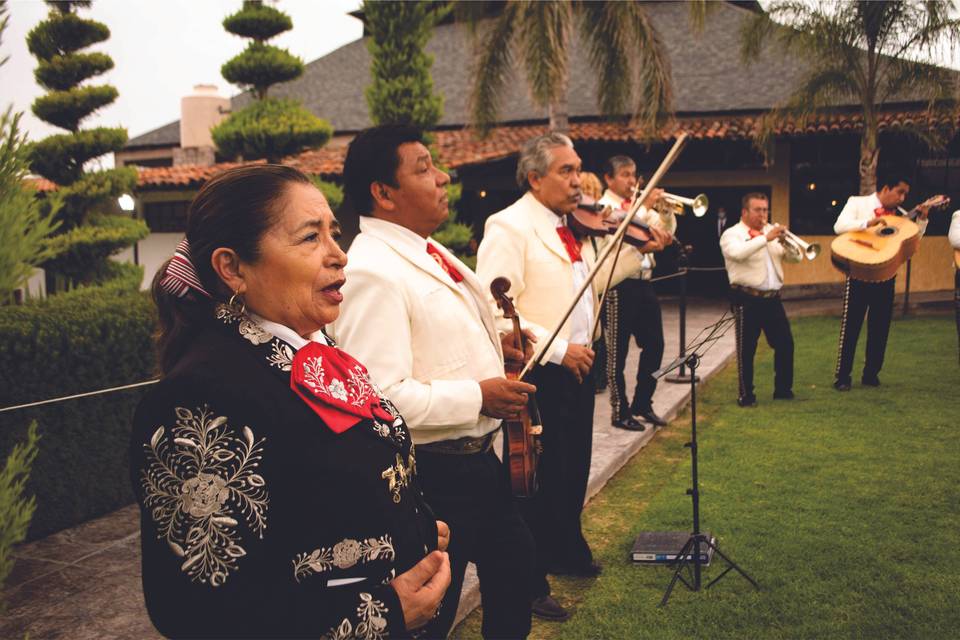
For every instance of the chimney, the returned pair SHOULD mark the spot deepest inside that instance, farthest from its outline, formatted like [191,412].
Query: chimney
[200,111]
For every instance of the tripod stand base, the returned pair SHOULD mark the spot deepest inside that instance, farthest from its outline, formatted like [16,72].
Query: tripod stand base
[681,378]
[688,561]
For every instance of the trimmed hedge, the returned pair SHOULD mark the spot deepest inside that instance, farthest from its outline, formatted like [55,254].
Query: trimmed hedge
[88,339]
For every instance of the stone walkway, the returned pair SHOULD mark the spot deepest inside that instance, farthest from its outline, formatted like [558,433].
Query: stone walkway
[84,582]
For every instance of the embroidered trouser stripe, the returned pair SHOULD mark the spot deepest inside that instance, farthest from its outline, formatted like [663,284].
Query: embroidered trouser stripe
[843,326]
[738,318]
[610,335]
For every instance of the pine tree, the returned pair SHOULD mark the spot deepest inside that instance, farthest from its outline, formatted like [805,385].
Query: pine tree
[401,90]
[268,128]
[89,233]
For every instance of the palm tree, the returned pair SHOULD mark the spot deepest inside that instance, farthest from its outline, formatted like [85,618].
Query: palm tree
[622,47]
[867,52]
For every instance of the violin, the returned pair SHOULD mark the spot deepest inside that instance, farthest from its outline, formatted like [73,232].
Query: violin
[593,219]
[521,434]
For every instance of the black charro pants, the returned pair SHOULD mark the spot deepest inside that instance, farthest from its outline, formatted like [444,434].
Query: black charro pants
[754,314]
[956,305]
[633,312]
[875,301]
[553,514]
[471,493]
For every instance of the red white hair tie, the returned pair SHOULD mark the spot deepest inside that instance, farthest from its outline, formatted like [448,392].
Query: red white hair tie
[180,275]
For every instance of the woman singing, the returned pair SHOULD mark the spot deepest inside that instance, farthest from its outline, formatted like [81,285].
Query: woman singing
[277,488]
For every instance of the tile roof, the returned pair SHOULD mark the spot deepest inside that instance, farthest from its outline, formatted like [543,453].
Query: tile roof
[708,75]
[460,147]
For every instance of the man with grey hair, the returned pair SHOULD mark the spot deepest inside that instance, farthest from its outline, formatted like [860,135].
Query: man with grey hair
[530,244]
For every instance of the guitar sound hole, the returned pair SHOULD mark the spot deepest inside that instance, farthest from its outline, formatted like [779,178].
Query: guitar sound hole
[887,231]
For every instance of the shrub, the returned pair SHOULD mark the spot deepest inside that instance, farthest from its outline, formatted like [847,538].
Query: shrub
[79,255]
[331,191]
[65,109]
[257,21]
[15,509]
[87,339]
[63,33]
[62,72]
[271,129]
[61,157]
[261,65]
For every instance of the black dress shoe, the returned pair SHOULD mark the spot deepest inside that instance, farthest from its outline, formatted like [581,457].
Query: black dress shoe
[629,424]
[747,401]
[783,395]
[650,417]
[549,609]
[842,385]
[591,570]
[870,381]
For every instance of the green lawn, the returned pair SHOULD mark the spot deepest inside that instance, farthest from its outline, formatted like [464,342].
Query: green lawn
[844,506]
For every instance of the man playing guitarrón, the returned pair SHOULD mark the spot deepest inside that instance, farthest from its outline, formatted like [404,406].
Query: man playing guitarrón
[862,212]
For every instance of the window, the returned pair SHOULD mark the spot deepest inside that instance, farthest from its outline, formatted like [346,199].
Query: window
[166,217]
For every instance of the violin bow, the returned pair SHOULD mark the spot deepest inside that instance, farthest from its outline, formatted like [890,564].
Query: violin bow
[615,244]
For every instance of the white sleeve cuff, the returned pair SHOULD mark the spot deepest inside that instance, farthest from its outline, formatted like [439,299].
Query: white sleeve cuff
[559,351]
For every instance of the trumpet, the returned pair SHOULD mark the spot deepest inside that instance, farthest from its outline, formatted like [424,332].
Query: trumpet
[809,249]
[670,203]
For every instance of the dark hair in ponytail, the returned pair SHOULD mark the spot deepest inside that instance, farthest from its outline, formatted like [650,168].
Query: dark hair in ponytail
[233,210]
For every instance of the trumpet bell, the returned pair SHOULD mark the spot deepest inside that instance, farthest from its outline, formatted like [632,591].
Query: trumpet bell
[700,205]
[812,251]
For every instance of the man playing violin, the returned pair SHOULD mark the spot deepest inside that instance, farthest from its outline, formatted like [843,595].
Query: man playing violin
[754,266]
[530,244]
[862,212]
[421,321]
[632,308]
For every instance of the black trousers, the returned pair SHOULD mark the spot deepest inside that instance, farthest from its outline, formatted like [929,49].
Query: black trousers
[471,493]
[755,314]
[553,514]
[956,304]
[859,298]
[633,311]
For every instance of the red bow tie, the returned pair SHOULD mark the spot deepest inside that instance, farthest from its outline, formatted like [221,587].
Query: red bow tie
[336,387]
[445,264]
[569,243]
[882,211]
[754,233]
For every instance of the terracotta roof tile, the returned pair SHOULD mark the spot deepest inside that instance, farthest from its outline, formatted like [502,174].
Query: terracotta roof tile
[460,147]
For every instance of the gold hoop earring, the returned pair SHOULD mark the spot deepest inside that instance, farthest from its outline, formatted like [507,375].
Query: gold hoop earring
[237,300]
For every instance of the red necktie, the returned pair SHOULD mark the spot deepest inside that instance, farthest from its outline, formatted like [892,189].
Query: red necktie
[754,233]
[882,211]
[336,387]
[569,243]
[441,259]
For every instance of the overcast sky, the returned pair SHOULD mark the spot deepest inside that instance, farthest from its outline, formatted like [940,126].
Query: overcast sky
[160,49]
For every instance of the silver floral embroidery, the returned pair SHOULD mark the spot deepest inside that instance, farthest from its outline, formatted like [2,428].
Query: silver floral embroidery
[343,555]
[198,486]
[371,625]
[357,390]
[253,332]
[337,390]
[282,356]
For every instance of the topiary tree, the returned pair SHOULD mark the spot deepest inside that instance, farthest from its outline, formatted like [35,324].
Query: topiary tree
[267,128]
[401,88]
[89,232]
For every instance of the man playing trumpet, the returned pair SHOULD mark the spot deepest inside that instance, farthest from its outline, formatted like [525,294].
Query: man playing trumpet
[754,266]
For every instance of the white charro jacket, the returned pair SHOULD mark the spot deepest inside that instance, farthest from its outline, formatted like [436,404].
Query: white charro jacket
[521,243]
[426,340]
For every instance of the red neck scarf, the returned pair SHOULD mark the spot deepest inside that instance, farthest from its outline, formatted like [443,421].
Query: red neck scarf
[336,387]
[445,264]
[882,211]
[569,243]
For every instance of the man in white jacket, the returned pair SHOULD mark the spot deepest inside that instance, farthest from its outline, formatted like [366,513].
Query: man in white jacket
[530,244]
[859,296]
[417,317]
[753,255]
